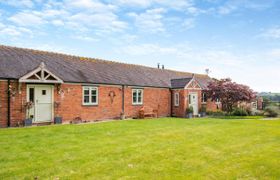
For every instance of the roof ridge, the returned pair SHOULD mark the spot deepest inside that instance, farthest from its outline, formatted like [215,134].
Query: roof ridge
[97,59]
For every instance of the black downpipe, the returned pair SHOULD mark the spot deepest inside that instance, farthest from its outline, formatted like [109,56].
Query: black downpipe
[171,104]
[123,99]
[9,103]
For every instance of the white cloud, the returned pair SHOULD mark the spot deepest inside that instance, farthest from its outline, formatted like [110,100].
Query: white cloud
[150,20]
[18,3]
[235,5]
[57,22]
[188,24]
[14,31]
[106,21]
[256,69]
[85,38]
[134,3]
[90,5]
[273,33]
[183,52]
[26,19]
[274,54]
[174,4]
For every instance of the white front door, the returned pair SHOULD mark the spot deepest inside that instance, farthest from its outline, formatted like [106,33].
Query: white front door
[193,102]
[43,102]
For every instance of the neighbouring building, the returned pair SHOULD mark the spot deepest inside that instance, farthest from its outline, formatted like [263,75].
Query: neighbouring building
[74,87]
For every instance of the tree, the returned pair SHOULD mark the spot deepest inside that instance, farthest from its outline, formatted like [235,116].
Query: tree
[229,93]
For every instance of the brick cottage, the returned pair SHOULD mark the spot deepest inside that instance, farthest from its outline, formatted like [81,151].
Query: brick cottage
[89,89]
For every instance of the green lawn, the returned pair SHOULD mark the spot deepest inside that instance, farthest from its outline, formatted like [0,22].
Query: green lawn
[166,148]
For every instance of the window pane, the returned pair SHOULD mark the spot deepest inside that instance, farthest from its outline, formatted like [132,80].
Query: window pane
[86,91]
[86,99]
[139,96]
[177,99]
[134,96]
[93,92]
[93,99]
[31,94]
[190,99]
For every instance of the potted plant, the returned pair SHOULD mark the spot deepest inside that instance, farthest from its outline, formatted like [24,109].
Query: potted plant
[203,111]
[28,120]
[189,112]
[57,118]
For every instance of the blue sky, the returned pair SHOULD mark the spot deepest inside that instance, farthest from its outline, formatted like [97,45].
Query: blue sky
[233,38]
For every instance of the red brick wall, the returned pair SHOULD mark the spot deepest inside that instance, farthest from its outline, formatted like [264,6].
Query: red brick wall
[3,103]
[71,103]
[18,99]
[156,98]
[212,106]
[70,100]
[180,110]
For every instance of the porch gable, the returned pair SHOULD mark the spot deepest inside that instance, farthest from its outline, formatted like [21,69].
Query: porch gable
[41,75]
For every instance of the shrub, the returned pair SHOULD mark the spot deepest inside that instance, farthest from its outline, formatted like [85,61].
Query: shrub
[216,113]
[203,108]
[240,112]
[258,113]
[270,112]
[189,110]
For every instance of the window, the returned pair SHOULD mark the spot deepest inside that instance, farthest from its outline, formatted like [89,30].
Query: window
[190,99]
[90,95]
[177,99]
[204,98]
[31,95]
[44,92]
[137,96]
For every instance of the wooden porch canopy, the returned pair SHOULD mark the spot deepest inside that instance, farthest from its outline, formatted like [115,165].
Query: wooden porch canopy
[41,75]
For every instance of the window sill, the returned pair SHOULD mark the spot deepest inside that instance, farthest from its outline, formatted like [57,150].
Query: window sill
[89,105]
[137,104]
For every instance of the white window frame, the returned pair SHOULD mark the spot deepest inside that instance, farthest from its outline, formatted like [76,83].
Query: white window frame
[137,92]
[90,88]
[176,99]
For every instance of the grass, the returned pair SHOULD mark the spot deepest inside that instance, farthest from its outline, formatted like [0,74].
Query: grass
[166,148]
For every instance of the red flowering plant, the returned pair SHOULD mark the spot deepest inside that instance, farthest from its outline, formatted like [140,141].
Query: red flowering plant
[229,93]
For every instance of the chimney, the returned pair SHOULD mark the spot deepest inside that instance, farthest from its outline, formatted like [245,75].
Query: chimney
[162,67]
[158,65]
[193,75]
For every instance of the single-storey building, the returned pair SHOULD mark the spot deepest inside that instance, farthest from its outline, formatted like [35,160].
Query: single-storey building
[73,87]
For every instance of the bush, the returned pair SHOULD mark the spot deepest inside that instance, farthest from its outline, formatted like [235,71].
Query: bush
[239,112]
[270,113]
[258,113]
[189,110]
[216,113]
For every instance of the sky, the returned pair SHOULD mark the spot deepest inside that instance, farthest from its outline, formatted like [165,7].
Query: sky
[239,39]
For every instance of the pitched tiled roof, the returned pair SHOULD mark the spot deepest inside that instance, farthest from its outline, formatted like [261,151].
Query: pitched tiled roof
[180,83]
[16,62]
